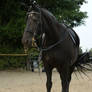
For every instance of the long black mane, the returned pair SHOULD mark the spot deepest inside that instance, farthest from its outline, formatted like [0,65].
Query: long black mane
[48,14]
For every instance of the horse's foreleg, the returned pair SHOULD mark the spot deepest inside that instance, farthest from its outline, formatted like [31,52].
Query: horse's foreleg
[49,78]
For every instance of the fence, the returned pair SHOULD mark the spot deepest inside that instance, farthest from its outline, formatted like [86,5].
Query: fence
[28,60]
[13,55]
[16,56]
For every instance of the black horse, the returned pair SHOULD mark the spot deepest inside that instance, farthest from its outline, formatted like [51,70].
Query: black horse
[58,44]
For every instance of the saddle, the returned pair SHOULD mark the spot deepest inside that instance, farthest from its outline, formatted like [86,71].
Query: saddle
[72,34]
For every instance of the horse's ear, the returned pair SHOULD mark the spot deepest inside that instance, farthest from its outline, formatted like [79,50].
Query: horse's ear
[34,4]
[29,5]
[24,6]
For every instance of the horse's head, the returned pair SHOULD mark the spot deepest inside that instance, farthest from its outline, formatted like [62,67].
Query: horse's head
[32,25]
[39,23]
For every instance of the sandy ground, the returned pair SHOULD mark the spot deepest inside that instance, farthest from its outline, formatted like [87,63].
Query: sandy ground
[22,81]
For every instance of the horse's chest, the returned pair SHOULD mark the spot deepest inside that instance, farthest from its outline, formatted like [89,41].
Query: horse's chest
[50,59]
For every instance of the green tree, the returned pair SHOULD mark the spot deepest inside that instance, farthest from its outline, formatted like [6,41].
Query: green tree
[11,25]
[67,11]
[12,19]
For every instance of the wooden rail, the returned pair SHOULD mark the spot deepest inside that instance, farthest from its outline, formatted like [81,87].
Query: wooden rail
[27,62]
[14,55]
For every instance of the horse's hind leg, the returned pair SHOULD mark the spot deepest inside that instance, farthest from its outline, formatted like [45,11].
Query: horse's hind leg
[49,78]
[65,84]
[65,76]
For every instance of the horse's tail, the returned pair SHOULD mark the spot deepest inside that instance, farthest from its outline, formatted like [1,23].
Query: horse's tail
[83,63]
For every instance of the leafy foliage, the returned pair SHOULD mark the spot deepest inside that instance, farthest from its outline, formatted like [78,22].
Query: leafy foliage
[11,23]
[12,19]
[12,62]
[67,11]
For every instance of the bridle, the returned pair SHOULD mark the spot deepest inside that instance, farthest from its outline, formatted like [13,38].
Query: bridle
[43,35]
[42,39]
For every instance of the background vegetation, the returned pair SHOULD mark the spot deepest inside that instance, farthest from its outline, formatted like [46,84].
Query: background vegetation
[12,23]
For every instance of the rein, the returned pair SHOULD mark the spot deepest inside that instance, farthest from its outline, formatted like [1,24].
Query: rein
[48,48]
[52,46]
[42,36]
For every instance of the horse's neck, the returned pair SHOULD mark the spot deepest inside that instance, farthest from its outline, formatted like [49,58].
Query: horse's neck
[53,29]
[53,34]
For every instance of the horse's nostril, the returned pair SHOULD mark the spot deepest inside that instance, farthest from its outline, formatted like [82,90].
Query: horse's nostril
[26,42]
